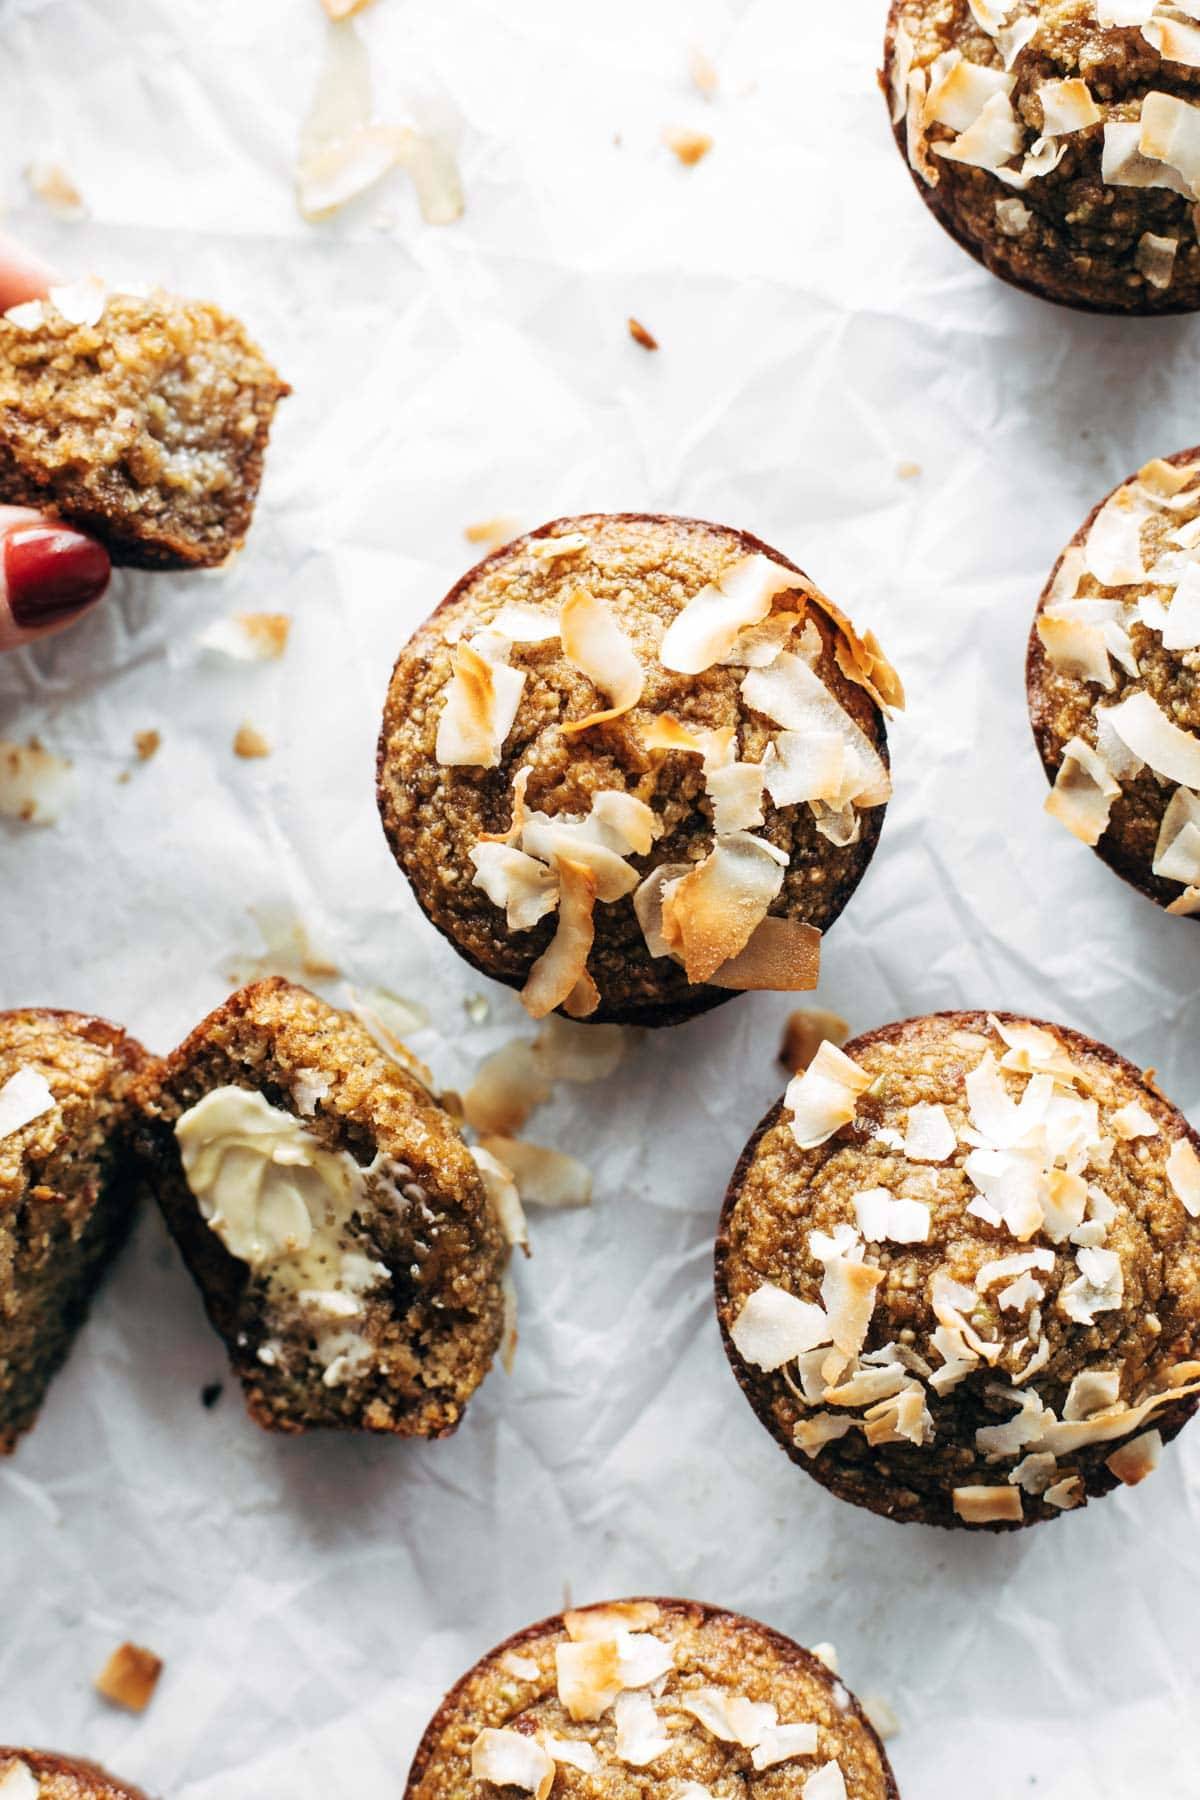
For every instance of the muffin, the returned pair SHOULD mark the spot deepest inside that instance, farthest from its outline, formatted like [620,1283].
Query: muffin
[141,418]
[641,1698]
[337,1225]
[634,764]
[40,1775]
[66,1190]
[1058,141]
[1112,682]
[958,1271]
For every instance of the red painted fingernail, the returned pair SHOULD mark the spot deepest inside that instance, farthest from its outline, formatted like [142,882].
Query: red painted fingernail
[51,573]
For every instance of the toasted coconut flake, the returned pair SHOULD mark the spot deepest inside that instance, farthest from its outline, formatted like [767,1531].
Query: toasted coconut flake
[507,1087]
[641,1735]
[993,139]
[526,624]
[50,183]
[482,697]
[789,693]
[825,1097]
[25,1096]
[36,786]
[570,1052]
[929,1136]
[1145,729]
[1083,792]
[544,1177]
[1067,106]
[1123,165]
[774,1327]
[523,886]
[129,1677]
[707,628]
[248,636]
[1076,648]
[730,1717]
[1132,1462]
[710,915]
[958,98]
[780,1743]
[597,646]
[988,1505]
[1170,133]
[586,1624]
[577,1753]
[806,1030]
[511,1759]
[884,1219]
[689,146]
[555,975]
[1183,1173]
[783,956]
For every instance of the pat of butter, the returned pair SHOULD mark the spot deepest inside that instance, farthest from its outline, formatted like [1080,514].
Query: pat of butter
[278,1199]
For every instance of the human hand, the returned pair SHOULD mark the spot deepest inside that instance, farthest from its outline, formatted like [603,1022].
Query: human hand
[49,574]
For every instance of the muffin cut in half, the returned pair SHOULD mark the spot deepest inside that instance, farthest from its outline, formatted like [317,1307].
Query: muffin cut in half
[41,1775]
[66,1189]
[1058,141]
[633,764]
[958,1271]
[1114,694]
[333,1217]
[637,1699]
[139,417]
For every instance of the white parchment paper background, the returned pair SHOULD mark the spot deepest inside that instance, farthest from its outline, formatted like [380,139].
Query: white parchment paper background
[312,1599]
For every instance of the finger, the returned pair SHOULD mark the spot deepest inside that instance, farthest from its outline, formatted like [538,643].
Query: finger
[23,276]
[49,576]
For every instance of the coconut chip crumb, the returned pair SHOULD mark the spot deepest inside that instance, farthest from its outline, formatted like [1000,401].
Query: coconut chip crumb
[36,786]
[689,146]
[129,1677]
[806,1030]
[249,742]
[640,335]
[50,183]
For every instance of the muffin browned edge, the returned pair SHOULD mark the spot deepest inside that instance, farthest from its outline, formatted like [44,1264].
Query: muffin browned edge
[942,213]
[1154,887]
[218,1274]
[790,1650]
[51,1762]
[706,998]
[1098,1481]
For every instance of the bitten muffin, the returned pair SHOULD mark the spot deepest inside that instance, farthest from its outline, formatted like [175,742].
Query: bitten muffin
[333,1217]
[66,1190]
[41,1775]
[1112,677]
[958,1271]
[644,1698]
[633,764]
[142,418]
[1058,141]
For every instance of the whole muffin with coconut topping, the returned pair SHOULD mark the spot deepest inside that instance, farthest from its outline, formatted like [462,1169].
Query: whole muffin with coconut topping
[638,1699]
[1058,141]
[139,417]
[1113,682]
[67,1190]
[338,1227]
[42,1775]
[633,764]
[958,1271]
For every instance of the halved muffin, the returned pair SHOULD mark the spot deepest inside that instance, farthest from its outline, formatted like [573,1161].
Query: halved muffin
[633,764]
[66,1189]
[141,418]
[334,1219]
[650,1698]
[958,1271]
[43,1775]
[1111,681]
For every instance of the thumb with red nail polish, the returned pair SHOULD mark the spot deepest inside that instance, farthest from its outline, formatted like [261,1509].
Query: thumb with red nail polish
[49,575]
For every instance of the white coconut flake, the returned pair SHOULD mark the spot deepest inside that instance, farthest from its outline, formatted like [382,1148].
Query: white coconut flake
[25,1096]
[774,1327]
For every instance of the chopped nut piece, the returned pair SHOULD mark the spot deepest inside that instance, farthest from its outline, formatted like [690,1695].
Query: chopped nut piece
[689,146]
[250,742]
[640,335]
[129,1677]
